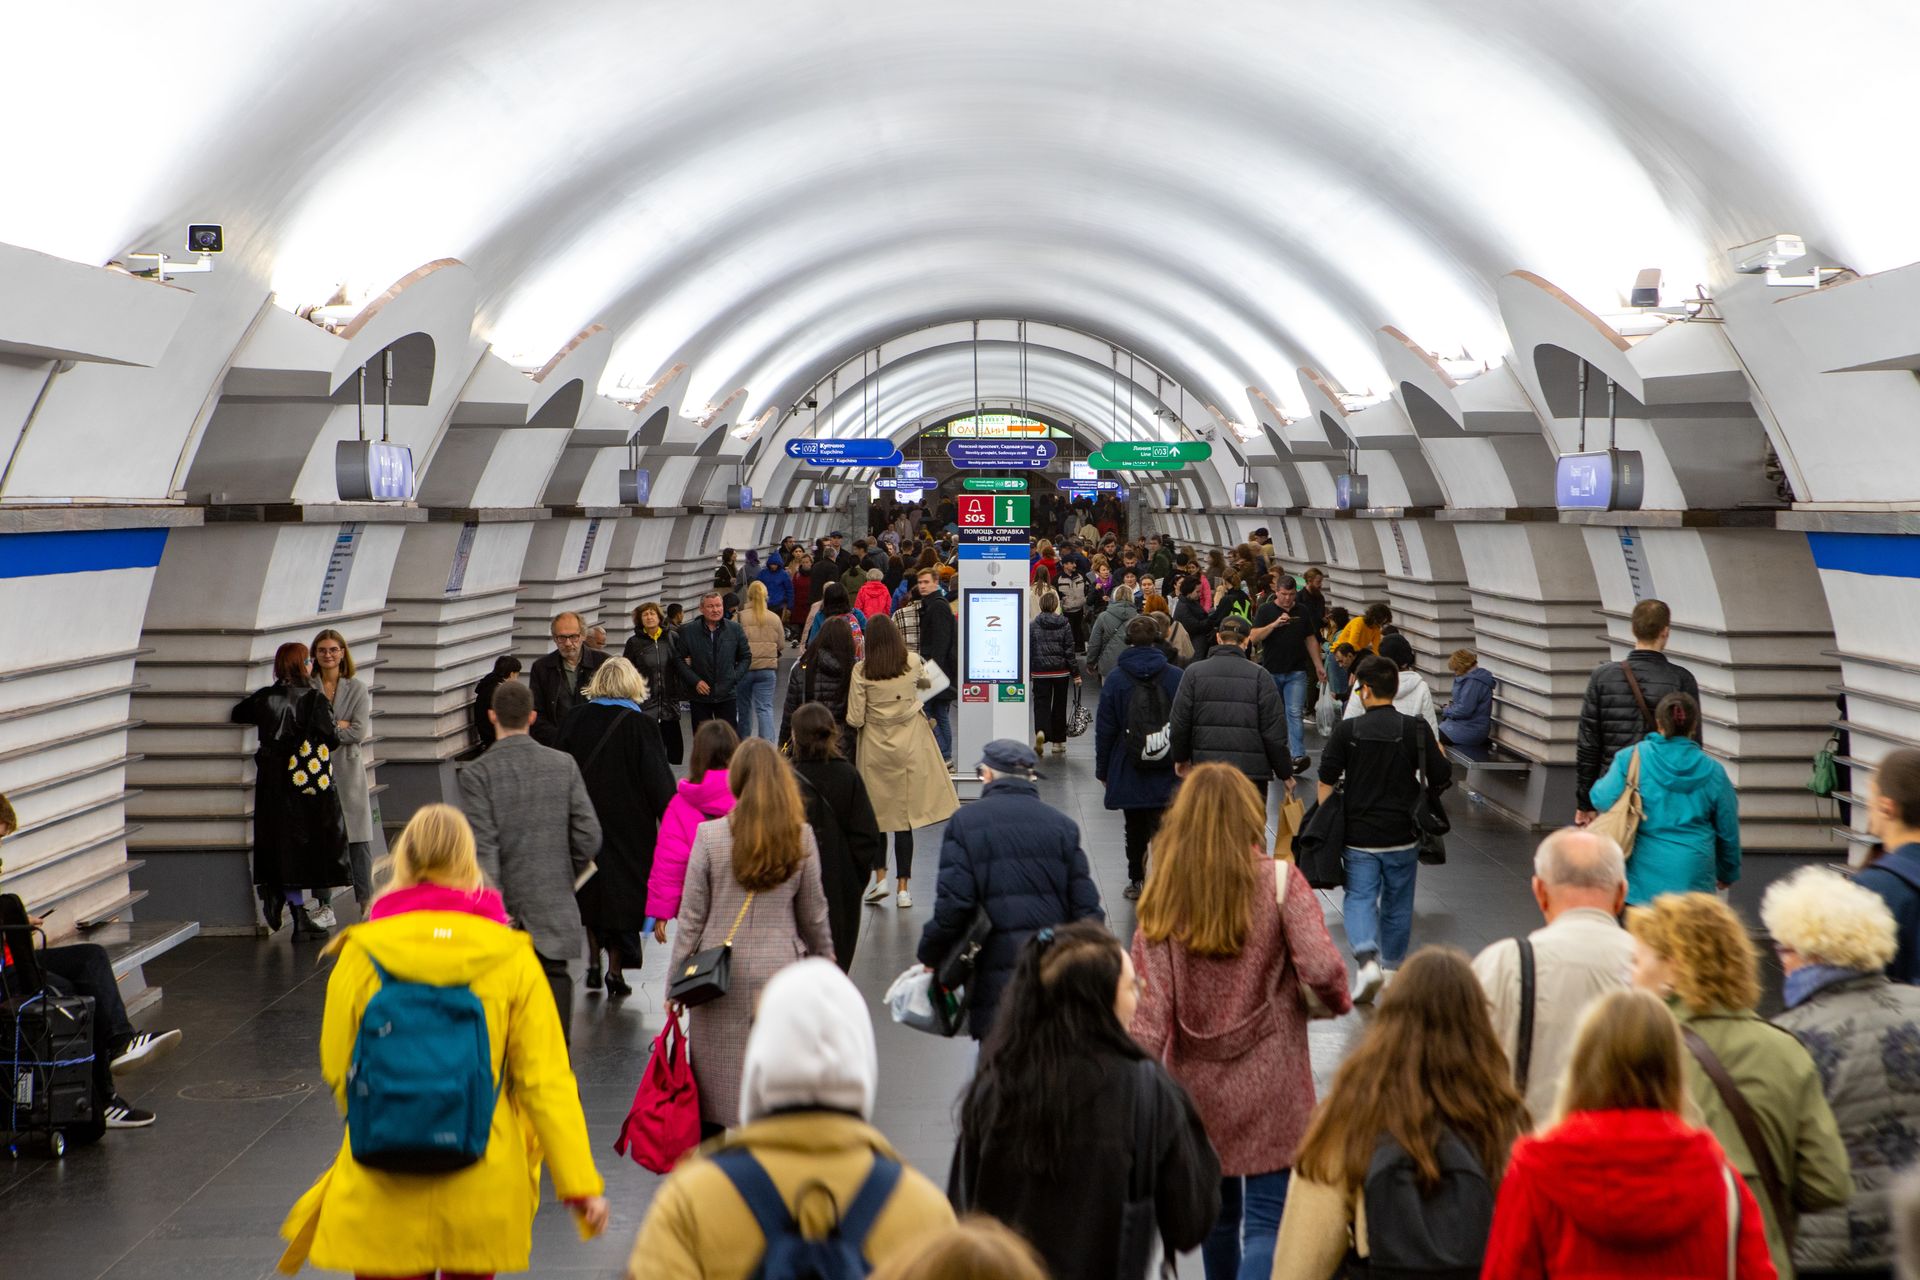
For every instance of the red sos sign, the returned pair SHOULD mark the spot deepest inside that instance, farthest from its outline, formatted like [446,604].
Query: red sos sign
[974,510]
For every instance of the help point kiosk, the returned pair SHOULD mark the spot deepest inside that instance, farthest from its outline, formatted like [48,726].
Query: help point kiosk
[994,607]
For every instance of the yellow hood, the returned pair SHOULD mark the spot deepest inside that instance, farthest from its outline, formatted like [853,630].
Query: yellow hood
[443,948]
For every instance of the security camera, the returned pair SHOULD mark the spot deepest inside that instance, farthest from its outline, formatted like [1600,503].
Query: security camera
[1762,256]
[1646,289]
[810,403]
[206,237]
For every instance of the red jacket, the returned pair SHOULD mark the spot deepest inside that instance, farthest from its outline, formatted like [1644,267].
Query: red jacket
[1633,1194]
[874,599]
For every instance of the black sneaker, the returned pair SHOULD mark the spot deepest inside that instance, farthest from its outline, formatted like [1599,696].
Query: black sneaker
[1301,764]
[143,1050]
[122,1114]
[1133,890]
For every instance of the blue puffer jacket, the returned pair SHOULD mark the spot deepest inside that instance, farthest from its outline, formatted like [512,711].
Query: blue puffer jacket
[1128,786]
[1468,719]
[1690,836]
[1019,857]
[779,584]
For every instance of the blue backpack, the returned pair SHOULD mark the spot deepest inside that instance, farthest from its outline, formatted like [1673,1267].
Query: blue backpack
[841,1254]
[420,1092]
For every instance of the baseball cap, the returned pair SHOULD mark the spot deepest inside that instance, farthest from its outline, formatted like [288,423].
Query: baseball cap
[1234,624]
[1009,755]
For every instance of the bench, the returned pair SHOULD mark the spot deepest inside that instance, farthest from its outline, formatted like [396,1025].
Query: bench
[1491,756]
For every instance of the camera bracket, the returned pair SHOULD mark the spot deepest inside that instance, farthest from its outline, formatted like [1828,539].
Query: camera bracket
[164,268]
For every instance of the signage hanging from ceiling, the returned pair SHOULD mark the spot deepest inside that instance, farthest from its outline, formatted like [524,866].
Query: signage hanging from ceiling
[1149,455]
[1606,480]
[906,484]
[862,452]
[1090,486]
[372,471]
[1349,492]
[999,426]
[1024,454]
[995,484]
[984,511]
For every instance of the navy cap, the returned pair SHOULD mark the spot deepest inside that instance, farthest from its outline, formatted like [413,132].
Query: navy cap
[1009,755]
[836,534]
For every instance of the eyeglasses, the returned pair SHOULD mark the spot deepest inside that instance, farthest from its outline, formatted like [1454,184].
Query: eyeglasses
[568,639]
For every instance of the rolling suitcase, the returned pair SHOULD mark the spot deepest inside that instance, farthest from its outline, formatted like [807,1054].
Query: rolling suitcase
[46,1066]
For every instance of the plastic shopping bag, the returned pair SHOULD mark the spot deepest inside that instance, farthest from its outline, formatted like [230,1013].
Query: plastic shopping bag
[1326,712]
[664,1122]
[910,1001]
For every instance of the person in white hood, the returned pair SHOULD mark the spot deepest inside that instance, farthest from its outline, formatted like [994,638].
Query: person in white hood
[1413,698]
[806,1095]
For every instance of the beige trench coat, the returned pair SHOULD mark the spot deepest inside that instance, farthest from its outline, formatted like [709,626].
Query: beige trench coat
[899,760]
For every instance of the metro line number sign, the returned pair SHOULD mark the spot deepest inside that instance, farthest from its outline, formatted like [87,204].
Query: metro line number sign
[987,511]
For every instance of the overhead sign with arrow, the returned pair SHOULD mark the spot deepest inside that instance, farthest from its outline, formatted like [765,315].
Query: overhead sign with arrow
[846,453]
[1149,455]
[1023,454]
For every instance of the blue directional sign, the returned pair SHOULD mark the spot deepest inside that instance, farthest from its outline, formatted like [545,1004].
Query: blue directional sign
[846,453]
[1090,486]
[906,484]
[1000,453]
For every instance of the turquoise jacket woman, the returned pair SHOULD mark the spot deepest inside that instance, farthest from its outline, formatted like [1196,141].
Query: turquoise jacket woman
[1689,839]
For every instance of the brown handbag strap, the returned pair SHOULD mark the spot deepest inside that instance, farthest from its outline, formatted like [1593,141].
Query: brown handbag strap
[1633,683]
[1749,1126]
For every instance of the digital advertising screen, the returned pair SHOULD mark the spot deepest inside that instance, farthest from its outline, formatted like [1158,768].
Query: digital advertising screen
[995,624]
[1080,471]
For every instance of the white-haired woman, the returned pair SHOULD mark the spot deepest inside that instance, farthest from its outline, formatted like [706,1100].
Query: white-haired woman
[617,746]
[1835,939]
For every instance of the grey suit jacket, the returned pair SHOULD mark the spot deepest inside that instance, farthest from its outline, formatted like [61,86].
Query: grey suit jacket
[535,831]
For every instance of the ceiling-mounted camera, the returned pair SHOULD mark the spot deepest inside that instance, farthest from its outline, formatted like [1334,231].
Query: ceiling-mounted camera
[204,239]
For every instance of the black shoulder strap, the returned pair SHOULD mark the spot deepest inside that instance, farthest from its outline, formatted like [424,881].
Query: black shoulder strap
[1523,1045]
[1749,1126]
[620,714]
[1146,1148]
[1639,698]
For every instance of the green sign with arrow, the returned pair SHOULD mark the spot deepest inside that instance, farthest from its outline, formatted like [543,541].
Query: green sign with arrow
[1149,455]
[996,484]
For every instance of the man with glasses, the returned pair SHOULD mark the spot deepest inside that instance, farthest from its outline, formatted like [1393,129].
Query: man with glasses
[559,680]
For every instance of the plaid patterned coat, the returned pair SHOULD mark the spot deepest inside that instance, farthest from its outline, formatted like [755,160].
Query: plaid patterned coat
[784,924]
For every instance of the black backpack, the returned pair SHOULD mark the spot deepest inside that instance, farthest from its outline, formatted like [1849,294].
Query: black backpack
[1425,1233]
[1149,735]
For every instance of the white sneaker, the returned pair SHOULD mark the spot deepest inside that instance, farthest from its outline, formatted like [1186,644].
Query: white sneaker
[324,917]
[144,1049]
[1367,983]
[876,893]
[905,899]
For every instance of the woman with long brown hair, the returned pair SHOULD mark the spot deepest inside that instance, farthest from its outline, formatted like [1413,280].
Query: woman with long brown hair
[753,883]
[1624,1183]
[299,831]
[899,760]
[352,702]
[841,815]
[1426,1089]
[1227,938]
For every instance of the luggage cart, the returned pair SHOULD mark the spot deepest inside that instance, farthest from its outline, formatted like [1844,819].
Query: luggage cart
[46,1044]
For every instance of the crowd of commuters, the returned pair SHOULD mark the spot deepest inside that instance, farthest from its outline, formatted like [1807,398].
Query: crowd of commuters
[1599,1097]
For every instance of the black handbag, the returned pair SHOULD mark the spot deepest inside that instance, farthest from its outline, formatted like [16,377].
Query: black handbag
[707,974]
[1430,820]
[1320,850]
[952,994]
[1140,1236]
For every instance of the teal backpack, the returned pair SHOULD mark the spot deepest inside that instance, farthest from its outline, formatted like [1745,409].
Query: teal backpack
[420,1092]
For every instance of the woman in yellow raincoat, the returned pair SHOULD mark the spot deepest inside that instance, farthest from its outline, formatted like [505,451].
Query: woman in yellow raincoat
[438,923]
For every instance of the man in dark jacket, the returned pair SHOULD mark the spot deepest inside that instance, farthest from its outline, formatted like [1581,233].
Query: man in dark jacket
[1228,709]
[559,680]
[1611,718]
[716,656]
[1371,753]
[1893,815]
[939,638]
[1018,858]
[1161,565]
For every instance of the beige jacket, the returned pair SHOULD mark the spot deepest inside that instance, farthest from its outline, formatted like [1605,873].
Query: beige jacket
[1318,1225]
[1583,954]
[765,639]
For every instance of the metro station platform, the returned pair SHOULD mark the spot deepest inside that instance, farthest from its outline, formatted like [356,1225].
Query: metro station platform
[246,1124]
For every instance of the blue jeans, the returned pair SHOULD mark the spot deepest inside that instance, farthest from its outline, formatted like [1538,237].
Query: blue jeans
[941,714]
[1293,692]
[1379,904]
[754,703]
[1265,1197]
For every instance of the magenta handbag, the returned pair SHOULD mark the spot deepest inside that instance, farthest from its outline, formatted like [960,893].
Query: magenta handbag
[664,1121]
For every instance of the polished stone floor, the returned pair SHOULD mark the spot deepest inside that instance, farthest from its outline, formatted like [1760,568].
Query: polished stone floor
[245,1124]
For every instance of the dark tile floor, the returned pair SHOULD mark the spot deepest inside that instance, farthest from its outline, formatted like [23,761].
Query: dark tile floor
[246,1125]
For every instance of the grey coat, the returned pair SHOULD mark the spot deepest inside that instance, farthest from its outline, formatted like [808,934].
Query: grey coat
[353,703]
[1109,638]
[535,832]
[785,923]
[1863,1033]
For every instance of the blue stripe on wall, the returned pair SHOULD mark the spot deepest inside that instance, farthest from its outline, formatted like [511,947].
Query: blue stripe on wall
[34,555]
[1881,555]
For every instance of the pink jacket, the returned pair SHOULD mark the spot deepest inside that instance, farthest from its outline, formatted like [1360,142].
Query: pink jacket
[486,903]
[1233,1029]
[874,600]
[696,802]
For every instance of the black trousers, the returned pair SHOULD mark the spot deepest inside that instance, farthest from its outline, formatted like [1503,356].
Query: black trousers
[902,854]
[1052,695]
[1142,826]
[85,969]
[705,711]
[562,983]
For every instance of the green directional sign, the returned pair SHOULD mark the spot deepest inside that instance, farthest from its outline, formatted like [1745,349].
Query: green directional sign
[1013,511]
[996,484]
[1149,455]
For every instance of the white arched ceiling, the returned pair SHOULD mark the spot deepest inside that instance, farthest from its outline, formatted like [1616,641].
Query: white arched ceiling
[1236,190]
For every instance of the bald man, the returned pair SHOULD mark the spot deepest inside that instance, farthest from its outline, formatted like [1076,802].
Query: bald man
[1580,882]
